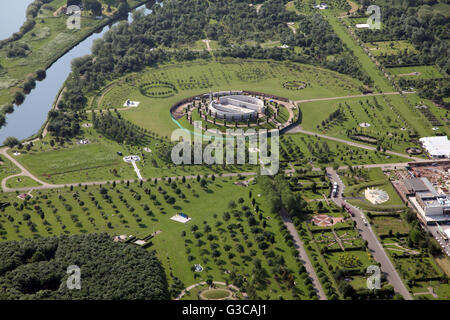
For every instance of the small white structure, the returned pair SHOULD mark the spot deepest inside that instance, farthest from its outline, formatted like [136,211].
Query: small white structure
[362,26]
[140,242]
[181,218]
[131,104]
[321,6]
[376,196]
[120,238]
[198,268]
[148,150]
[447,232]
[437,147]
[132,160]
[364,125]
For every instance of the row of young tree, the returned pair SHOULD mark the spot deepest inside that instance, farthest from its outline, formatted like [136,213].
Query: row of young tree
[130,47]
[37,269]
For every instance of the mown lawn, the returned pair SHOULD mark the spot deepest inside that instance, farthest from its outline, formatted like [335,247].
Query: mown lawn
[194,78]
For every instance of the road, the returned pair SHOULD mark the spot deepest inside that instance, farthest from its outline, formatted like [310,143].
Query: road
[375,247]
[304,259]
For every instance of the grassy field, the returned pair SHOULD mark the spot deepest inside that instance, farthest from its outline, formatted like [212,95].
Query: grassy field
[7,168]
[99,161]
[21,182]
[390,119]
[424,72]
[301,148]
[357,183]
[390,47]
[140,211]
[190,79]
[365,61]
[384,224]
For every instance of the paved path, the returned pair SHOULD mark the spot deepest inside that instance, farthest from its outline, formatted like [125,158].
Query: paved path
[292,27]
[375,247]
[136,169]
[208,46]
[303,255]
[23,172]
[298,129]
[354,96]
[204,283]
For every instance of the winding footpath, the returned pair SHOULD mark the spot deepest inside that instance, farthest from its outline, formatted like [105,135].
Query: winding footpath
[23,172]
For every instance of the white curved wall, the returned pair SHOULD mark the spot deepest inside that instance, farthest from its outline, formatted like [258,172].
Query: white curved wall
[236,107]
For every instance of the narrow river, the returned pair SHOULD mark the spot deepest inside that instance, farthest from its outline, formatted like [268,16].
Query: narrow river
[29,117]
[12,8]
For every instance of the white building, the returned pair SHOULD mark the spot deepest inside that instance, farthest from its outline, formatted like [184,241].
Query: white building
[321,6]
[437,147]
[362,26]
[236,107]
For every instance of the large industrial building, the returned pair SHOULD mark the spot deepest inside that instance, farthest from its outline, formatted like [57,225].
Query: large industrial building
[436,147]
[430,203]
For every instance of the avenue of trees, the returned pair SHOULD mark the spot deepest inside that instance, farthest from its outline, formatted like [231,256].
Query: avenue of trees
[37,269]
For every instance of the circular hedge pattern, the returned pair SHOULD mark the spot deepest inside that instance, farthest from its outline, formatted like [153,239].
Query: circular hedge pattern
[158,89]
[295,85]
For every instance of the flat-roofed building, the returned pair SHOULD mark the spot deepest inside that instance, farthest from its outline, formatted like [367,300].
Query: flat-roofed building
[437,147]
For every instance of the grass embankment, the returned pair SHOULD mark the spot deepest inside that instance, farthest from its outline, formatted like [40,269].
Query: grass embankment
[47,41]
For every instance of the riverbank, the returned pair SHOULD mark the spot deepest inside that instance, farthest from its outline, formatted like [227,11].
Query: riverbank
[47,42]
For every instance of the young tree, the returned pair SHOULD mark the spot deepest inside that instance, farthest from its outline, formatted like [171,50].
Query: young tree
[11,142]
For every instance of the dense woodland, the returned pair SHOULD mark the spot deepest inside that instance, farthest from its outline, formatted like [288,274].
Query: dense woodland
[116,128]
[280,195]
[37,269]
